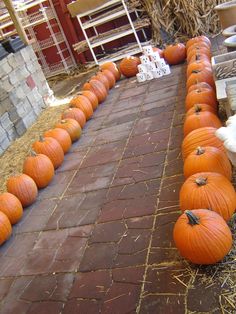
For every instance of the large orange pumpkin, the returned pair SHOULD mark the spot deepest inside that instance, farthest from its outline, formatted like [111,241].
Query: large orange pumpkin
[198,65]
[197,51]
[110,76]
[198,45]
[207,159]
[198,40]
[198,108]
[201,96]
[24,188]
[200,120]
[83,103]
[175,54]
[11,207]
[160,51]
[209,190]
[76,114]
[111,66]
[202,236]
[129,66]
[200,76]
[91,97]
[97,88]
[200,137]
[40,168]
[5,228]
[102,78]
[51,148]
[198,57]
[199,86]
[62,136]
[72,127]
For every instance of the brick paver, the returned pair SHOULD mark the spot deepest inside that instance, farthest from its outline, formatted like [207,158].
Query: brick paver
[99,238]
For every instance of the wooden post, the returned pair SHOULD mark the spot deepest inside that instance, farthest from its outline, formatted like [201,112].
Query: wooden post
[16,20]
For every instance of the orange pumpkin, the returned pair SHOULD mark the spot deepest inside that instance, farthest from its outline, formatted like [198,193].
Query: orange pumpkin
[197,51]
[11,207]
[5,228]
[40,168]
[81,102]
[97,88]
[110,76]
[209,190]
[51,148]
[129,66]
[207,159]
[24,188]
[200,137]
[72,127]
[199,86]
[111,66]
[200,76]
[198,39]
[91,97]
[202,236]
[201,96]
[198,57]
[101,78]
[175,54]
[200,120]
[200,108]
[62,136]
[76,114]
[198,65]
[198,45]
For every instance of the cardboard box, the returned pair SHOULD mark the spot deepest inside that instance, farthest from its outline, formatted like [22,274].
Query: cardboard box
[82,6]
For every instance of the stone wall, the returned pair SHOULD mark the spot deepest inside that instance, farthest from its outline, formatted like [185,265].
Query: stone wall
[24,92]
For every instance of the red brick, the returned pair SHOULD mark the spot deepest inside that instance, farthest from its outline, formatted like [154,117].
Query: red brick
[45,307]
[5,285]
[81,306]
[49,287]
[134,240]
[92,285]
[134,91]
[176,137]
[122,105]
[165,92]
[51,239]
[15,307]
[170,190]
[174,164]
[108,232]
[163,255]
[122,297]
[123,116]
[129,275]
[98,256]
[81,231]
[171,304]
[114,133]
[128,260]
[140,222]
[11,266]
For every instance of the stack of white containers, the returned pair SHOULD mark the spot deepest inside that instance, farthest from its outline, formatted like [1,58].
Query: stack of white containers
[152,66]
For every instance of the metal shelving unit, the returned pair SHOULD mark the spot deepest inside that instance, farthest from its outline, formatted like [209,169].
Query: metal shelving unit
[110,11]
[45,15]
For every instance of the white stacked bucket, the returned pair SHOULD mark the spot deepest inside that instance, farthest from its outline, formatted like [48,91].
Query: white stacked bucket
[152,66]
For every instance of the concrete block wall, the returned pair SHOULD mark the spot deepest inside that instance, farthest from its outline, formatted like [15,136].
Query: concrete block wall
[24,92]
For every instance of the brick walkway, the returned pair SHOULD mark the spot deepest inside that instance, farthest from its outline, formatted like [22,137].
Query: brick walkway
[99,238]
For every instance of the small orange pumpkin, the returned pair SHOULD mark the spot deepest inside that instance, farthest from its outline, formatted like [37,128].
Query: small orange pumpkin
[72,127]
[97,88]
[81,102]
[11,207]
[40,168]
[202,236]
[91,97]
[175,54]
[197,51]
[160,51]
[76,114]
[200,108]
[101,78]
[199,86]
[51,148]
[111,66]
[110,76]
[24,188]
[129,66]
[207,159]
[201,137]
[201,96]
[198,65]
[198,39]
[209,190]
[5,228]
[200,120]
[200,76]
[62,136]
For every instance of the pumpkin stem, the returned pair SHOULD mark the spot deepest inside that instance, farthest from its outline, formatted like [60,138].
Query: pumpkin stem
[201,181]
[200,150]
[33,153]
[197,109]
[63,121]
[41,138]
[192,219]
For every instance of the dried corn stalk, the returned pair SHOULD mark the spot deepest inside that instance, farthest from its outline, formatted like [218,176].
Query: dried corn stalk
[181,18]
